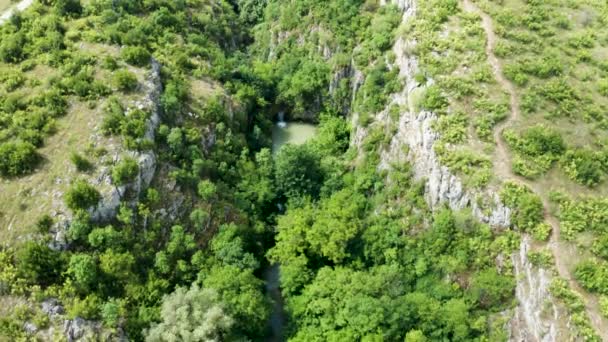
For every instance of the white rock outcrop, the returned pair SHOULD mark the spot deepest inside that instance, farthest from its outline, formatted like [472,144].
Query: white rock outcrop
[108,206]
[537,317]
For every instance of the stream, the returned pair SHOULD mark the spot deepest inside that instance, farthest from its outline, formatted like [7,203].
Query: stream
[282,133]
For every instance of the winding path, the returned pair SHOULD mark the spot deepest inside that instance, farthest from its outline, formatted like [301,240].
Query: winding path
[502,168]
[21,6]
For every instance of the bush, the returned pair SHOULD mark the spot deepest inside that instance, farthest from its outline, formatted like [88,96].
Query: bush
[82,164]
[135,55]
[82,196]
[44,224]
[17,158]
[125,80]
[11,48]
[602,86]
[434,100]
[125,171]
[526,205]
[66,7]
[39,264]
[114,117]
[536,141]
[542,231]
[583,166]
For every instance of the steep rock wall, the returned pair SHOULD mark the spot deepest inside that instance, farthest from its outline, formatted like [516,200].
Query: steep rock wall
[112,196]
[537,317]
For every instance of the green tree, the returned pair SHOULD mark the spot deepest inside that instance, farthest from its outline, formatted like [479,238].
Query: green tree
[298,171]
[82,196]
[229,248]
[135,55]
[17,158]
[193,314]
[82,269]
[125,80]
[489,288]
[125,171]
[242,294]
[39,264]
[118,265]
[336,224]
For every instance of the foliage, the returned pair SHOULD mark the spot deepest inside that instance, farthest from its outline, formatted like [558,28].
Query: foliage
[537,148]
[192,314]
[526,205]
[125,80]
[542,231]
[559,288]
[583,166]
[135,55]
[125,171]
[81,196]
[587,214]
[39,264]
[17,158]
[82,164]
[298,171]
[434,100]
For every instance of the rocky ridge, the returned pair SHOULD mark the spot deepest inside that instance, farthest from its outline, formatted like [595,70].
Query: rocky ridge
[537,316]
[113,196]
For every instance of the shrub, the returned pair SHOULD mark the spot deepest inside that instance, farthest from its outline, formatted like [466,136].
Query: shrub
[44,224]
[39,264]
[125,80]
[82,164]
[17,158]
[82,196]
[542,258]
[542,231]
[135,55]
[125,171]
[526,205]
[593,275]
[583,166]
[109,63]
[434,100]
[604,305]
[536,141]
[453,128]
[68,6]
[11,48]
[114,116]
[602,86]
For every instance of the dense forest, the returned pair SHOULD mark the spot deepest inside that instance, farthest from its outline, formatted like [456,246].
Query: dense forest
[143,198]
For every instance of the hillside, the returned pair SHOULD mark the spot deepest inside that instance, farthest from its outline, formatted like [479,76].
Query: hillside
[307,170]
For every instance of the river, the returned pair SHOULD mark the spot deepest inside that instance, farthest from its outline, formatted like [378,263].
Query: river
[283,133]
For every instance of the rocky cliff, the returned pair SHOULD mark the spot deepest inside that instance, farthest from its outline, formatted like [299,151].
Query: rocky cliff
[113,196]
[537,317]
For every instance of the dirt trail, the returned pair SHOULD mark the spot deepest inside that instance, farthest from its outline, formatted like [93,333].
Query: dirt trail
[503,169]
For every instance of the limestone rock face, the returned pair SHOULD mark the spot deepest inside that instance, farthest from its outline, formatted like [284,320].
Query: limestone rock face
[108,206]
[537,317]
[113,196]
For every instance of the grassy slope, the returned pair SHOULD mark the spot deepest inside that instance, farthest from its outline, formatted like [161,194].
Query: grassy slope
[32,196]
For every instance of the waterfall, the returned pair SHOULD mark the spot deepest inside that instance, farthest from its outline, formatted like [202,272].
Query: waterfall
[281,123]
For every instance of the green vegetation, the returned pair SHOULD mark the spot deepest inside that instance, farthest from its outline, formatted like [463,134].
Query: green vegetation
[125,80]
[125,171]
[361,255]
[527,208]
[537,148]
[559,288]
[81,196]
[17,158]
